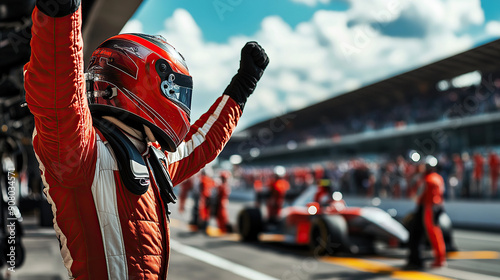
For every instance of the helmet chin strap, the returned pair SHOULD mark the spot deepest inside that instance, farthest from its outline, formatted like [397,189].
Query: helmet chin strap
[149,134]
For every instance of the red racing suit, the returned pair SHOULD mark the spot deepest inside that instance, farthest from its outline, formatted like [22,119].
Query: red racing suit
[104,230]
[430,206]
[277,197]
[494,162]
[186,187]
[222,200]
[432,199]
[206,186]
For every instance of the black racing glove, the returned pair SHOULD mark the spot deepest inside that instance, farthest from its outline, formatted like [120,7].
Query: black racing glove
[253,62]
[58,8]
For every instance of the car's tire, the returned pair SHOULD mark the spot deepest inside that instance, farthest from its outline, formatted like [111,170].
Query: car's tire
[250,224]
[328,235]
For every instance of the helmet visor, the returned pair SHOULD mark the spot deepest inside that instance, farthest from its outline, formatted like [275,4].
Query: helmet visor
[178,88]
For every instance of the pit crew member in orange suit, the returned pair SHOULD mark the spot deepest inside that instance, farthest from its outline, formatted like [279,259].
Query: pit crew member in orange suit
[258,188]
[478,174]
[221,201]
[186,187]
[206,186]
[104,173]
[430,206]
[494,162]
[278,188]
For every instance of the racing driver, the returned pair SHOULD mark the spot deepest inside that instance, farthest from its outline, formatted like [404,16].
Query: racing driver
[113,142]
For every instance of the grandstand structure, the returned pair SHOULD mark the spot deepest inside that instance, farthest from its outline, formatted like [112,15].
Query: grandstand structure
[422,110]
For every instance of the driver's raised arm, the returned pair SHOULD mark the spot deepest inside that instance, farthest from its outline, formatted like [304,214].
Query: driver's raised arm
[64,138]
[210,133]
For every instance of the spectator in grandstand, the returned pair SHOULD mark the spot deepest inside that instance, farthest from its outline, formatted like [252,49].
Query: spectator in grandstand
[458,172]
[417,180]
[478,174]
[360,176]
[496,100]
[467,178]
[494,166]
[401,173]
[318,172]
[384,179]
[395,180]
[372,177]
[333,173]
[299,178]
[445,169]
[425,222]
[346,169]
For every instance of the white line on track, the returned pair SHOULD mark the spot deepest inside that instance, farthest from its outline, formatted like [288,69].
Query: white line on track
[219,262]
[477,237]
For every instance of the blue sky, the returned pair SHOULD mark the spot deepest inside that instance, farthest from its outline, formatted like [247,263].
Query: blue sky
[222,19]
[318,48]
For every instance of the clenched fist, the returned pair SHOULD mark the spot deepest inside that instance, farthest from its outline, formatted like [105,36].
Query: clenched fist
[253,62]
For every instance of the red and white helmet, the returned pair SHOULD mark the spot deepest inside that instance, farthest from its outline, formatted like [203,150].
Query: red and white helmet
[142,80]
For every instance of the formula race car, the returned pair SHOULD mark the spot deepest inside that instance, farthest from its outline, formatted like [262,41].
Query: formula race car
[328,229]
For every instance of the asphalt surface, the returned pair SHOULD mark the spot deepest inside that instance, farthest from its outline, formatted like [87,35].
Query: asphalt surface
[196,255]
[478,258]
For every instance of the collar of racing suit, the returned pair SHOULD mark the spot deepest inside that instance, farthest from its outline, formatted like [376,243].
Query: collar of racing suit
[134,135]
[132,131]
[135,155]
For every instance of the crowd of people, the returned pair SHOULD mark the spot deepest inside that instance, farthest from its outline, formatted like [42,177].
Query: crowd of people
[466,176]
[416,106]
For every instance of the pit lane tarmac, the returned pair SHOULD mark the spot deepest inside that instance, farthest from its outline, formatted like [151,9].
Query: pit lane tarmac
[225,257]
[195,255]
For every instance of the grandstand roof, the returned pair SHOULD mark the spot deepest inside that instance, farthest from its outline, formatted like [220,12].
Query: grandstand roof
[485,58]
[100,23]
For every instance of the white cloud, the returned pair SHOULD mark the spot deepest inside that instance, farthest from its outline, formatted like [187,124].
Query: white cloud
[132,26]
[311,3]
[332,53]
[493,28]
